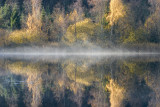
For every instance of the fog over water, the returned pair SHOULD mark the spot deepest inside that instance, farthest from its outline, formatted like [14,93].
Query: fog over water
[71,52]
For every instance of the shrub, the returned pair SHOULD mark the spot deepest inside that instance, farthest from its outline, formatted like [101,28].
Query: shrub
[26,37]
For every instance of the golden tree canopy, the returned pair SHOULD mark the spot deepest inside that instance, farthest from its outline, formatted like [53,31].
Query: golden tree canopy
[117,11]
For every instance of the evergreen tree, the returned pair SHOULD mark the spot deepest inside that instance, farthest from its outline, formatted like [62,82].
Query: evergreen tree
[5,14]
[15,19]
[2,2]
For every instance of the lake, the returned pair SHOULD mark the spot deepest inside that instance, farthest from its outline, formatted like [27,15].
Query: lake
[80,81]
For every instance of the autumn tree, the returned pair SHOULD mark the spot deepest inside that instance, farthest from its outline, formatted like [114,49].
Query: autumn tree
[130,28]
[32,33]
[60,23]
[77,14]
[117,11]
[34,18]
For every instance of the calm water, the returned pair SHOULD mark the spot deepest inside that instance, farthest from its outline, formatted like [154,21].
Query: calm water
[80,82]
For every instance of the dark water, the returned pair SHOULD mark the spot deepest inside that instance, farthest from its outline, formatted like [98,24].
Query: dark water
[81,82]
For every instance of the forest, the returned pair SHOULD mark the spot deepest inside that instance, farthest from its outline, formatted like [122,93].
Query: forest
[34,32]
[68,22]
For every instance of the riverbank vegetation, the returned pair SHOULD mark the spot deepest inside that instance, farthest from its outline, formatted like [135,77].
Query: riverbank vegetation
[102,22]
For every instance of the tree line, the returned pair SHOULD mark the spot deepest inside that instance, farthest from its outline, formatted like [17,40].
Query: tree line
[102,22]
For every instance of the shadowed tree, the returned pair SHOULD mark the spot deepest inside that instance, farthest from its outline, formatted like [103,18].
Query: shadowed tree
[152,23]
[98,11]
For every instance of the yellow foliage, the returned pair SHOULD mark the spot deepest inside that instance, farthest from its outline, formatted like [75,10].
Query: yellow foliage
[33,33]
[117,11]
[75,87]
[26,36]
[79,74]
[60,83]
[33,23]
[21,68]
[69,37]
[116,94]
[74,16]
[135,36]
[33,73]
[35,86]
[133,67]
[84,29]
[61,19]
[130,39]
[25,68]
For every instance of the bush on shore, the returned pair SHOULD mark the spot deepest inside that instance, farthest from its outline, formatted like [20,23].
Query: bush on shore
[26,36]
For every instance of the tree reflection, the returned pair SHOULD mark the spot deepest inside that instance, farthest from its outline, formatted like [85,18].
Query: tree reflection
[69,83]
[33,74]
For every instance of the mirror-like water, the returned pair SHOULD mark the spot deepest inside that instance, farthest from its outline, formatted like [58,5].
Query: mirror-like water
[79,79]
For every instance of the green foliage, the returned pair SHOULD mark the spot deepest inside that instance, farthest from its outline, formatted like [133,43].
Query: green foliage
[9,17]
[141,35]
[43,14]
[15,19]
[3,91]
[137,68]
[137,36]
[5,14]
[130,39]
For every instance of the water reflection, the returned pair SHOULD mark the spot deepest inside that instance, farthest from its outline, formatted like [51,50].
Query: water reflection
[114,82]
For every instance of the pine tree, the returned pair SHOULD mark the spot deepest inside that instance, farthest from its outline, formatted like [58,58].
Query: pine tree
[15,19]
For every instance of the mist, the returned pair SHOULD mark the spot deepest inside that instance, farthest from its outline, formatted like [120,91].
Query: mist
[74,53]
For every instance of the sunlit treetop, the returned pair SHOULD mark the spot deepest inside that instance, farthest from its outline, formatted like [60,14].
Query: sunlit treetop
[117,10]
